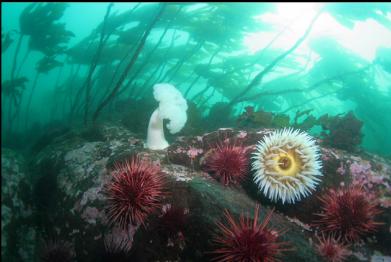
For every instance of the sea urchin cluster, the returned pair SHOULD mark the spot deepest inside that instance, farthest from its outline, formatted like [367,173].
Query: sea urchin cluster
[229,163]
[247,240]
[134,192]
[287,165]
[348,212]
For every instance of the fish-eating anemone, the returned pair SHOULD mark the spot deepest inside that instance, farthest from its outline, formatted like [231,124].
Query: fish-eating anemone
[287,165]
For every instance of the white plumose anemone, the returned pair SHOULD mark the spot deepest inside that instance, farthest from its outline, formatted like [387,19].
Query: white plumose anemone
[287,165]
[172,106]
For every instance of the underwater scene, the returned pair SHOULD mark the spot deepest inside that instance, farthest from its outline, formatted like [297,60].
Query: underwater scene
[174,131]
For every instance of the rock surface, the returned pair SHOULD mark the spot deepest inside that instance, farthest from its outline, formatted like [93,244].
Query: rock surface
[17,233]
[68,176]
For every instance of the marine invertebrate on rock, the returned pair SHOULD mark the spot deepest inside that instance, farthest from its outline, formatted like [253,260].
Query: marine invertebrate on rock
[229,163]
[332,249]
[57,250]
[287,165]
[172,106]
[193,152]
[117,245]
[247,240]
[134,192]
[349,212]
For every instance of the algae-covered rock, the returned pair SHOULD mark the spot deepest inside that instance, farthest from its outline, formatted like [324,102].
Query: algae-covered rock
[68,190]
[70,175]
[17,232]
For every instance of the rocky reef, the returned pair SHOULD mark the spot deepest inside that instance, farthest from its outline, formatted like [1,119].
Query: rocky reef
[58,194]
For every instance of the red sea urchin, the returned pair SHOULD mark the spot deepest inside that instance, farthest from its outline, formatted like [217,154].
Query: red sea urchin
[332,249]
[229,163]
[117,244]
[134,193]
[348,212]
[247,240]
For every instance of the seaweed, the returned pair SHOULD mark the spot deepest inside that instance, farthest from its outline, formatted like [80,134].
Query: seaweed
[218,116]
[14,88]
[343,132]
[6,40]
[40,22]
[348,14]
[46,64]
[262,119]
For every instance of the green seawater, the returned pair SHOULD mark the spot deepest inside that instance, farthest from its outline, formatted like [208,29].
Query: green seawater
[323,68]
[77,63]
